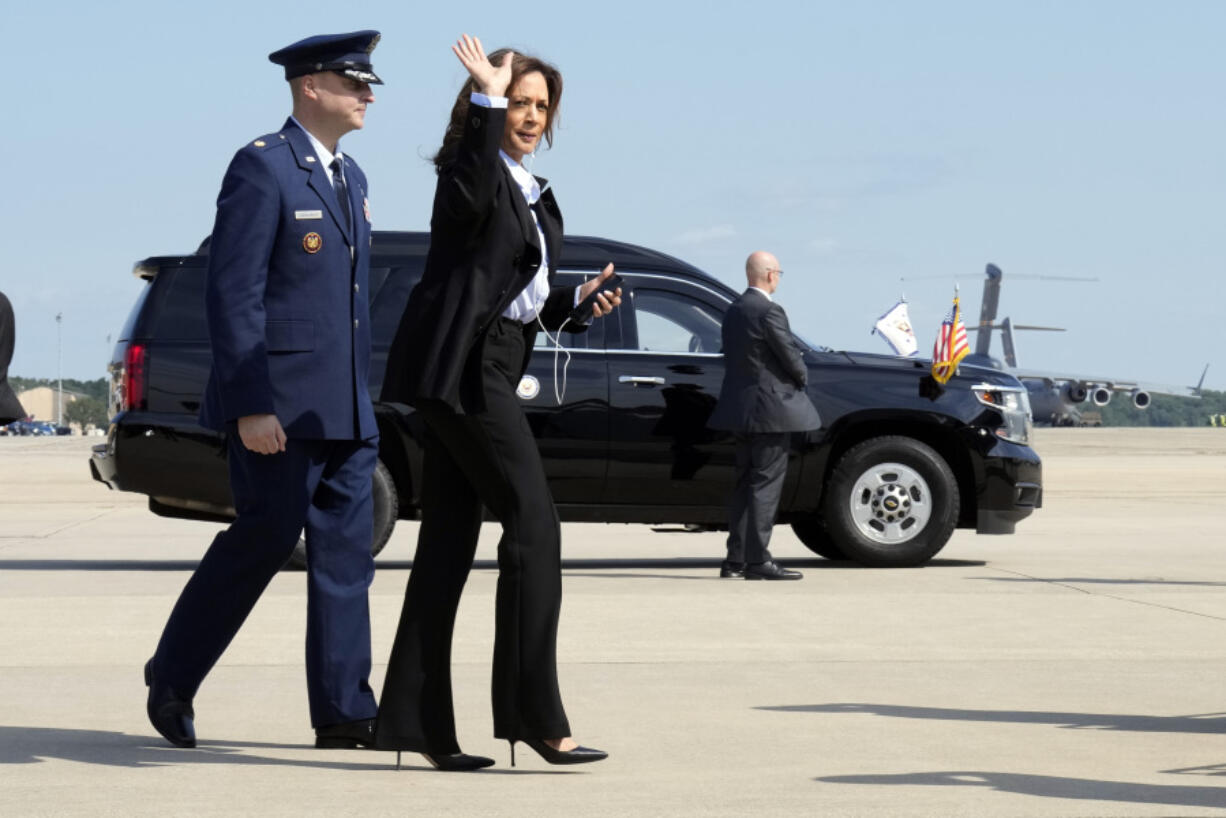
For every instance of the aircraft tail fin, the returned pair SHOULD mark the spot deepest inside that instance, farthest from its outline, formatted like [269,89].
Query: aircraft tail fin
[987,309]
[1006,340]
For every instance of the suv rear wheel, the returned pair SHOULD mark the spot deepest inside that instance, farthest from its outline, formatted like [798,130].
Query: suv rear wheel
[891,502]
[387,507]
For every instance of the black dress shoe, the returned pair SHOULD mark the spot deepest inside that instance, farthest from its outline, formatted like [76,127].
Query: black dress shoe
[348,735]
[769,570]
[578,755]
[169,713]
[731,570]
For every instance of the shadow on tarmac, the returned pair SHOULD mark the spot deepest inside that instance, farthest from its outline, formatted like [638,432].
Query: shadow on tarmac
[1049,786]
[659,563]
[28,745]
[1106,581]
[1199,723]
[31,745]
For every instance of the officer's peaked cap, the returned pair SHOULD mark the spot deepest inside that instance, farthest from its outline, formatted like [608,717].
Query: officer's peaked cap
[347,54]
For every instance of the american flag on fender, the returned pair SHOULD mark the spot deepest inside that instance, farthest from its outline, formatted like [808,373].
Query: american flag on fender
[951,346]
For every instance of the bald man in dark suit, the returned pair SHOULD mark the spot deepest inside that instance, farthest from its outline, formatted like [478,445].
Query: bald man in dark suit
[763,401]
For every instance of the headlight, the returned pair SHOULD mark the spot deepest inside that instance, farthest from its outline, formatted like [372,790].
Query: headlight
[1013,403]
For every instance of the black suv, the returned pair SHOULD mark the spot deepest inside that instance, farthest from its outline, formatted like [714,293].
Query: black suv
[620,415]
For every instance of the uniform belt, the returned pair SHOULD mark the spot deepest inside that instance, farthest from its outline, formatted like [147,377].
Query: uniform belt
[510,323]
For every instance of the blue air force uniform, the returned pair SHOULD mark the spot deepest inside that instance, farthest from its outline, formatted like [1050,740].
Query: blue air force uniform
[287,294]
[288,317]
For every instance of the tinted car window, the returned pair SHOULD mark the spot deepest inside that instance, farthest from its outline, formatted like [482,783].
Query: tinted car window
[129,326]
[391,287]
[673,322]
[182,316]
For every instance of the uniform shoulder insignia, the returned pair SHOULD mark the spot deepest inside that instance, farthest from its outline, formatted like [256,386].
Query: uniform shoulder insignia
[268,140]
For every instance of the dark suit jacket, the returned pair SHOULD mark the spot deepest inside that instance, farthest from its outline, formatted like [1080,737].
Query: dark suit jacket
[10,407]
[764,373]
[287,294]
[484,250]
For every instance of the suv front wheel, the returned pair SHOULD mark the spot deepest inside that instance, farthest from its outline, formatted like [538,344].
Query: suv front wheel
[811,530]
[387,507]
[891,502]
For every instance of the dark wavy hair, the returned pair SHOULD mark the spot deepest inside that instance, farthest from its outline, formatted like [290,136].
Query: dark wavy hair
[520,64]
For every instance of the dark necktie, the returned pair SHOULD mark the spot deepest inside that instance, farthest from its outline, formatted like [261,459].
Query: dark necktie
[342,192]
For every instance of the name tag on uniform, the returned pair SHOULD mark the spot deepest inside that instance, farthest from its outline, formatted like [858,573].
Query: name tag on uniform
[308,214]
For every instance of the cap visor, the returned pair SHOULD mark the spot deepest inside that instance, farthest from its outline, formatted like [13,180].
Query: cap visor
[369,77]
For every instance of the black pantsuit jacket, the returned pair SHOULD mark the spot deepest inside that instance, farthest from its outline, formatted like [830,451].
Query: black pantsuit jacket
[484,250]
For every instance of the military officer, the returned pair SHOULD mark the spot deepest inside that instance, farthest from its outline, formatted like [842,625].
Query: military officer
[288,324]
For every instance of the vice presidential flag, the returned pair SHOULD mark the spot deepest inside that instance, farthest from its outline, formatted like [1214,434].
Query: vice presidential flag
[895,328]
[951,346]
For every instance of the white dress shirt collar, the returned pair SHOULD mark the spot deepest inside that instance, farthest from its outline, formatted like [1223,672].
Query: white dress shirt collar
[764,292]
[325,156]
[526,181]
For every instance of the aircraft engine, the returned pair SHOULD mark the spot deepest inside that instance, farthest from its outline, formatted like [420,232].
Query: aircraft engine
[1074,392]
[1101,396]
[1140,398]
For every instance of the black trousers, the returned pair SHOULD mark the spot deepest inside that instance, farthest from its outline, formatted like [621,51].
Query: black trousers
[491,459]
[761,464]
[324,486]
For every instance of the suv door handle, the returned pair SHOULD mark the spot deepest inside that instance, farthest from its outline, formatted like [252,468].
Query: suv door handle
[645,380]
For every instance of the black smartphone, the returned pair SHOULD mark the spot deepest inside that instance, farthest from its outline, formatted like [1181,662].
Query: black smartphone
[582,313]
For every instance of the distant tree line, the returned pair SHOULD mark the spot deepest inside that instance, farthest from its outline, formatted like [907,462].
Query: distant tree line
[99,389]
[1167,410]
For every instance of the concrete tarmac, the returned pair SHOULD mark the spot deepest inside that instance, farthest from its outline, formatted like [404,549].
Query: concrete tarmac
[1075,668]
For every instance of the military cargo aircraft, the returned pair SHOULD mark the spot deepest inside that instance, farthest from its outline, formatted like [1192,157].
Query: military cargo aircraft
[1056,398]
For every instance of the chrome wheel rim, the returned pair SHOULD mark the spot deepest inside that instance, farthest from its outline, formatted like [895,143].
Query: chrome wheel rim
[890,503]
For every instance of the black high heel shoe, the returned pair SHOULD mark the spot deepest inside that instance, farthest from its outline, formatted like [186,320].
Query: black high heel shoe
[579,755]
[454,762]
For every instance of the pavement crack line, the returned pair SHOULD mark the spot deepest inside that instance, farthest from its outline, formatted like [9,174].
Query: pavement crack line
[1088,592]
[48,535]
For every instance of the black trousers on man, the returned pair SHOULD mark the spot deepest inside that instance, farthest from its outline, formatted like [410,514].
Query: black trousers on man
[324,486]
[761,464]
[472,460]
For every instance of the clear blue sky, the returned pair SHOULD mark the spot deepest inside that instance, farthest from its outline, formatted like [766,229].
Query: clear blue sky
[860,142]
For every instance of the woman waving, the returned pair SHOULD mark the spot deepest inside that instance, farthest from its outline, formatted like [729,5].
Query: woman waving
[461,348]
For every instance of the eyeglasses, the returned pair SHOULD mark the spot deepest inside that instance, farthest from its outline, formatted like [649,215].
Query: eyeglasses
[775,270]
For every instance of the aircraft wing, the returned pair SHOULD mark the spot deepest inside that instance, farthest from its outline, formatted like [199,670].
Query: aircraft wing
[1091,382]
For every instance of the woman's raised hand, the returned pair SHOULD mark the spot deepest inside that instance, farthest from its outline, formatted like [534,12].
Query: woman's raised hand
[492,80]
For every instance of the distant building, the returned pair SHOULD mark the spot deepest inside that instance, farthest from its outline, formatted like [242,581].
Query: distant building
[40,401]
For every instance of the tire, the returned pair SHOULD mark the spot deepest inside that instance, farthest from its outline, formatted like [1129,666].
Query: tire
[387,508]
[812,532]
[892,502]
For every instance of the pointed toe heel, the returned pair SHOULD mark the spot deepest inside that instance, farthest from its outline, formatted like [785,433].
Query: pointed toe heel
[457,762]
[579,755]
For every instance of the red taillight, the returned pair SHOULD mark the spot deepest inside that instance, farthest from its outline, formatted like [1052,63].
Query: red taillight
[135,362]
